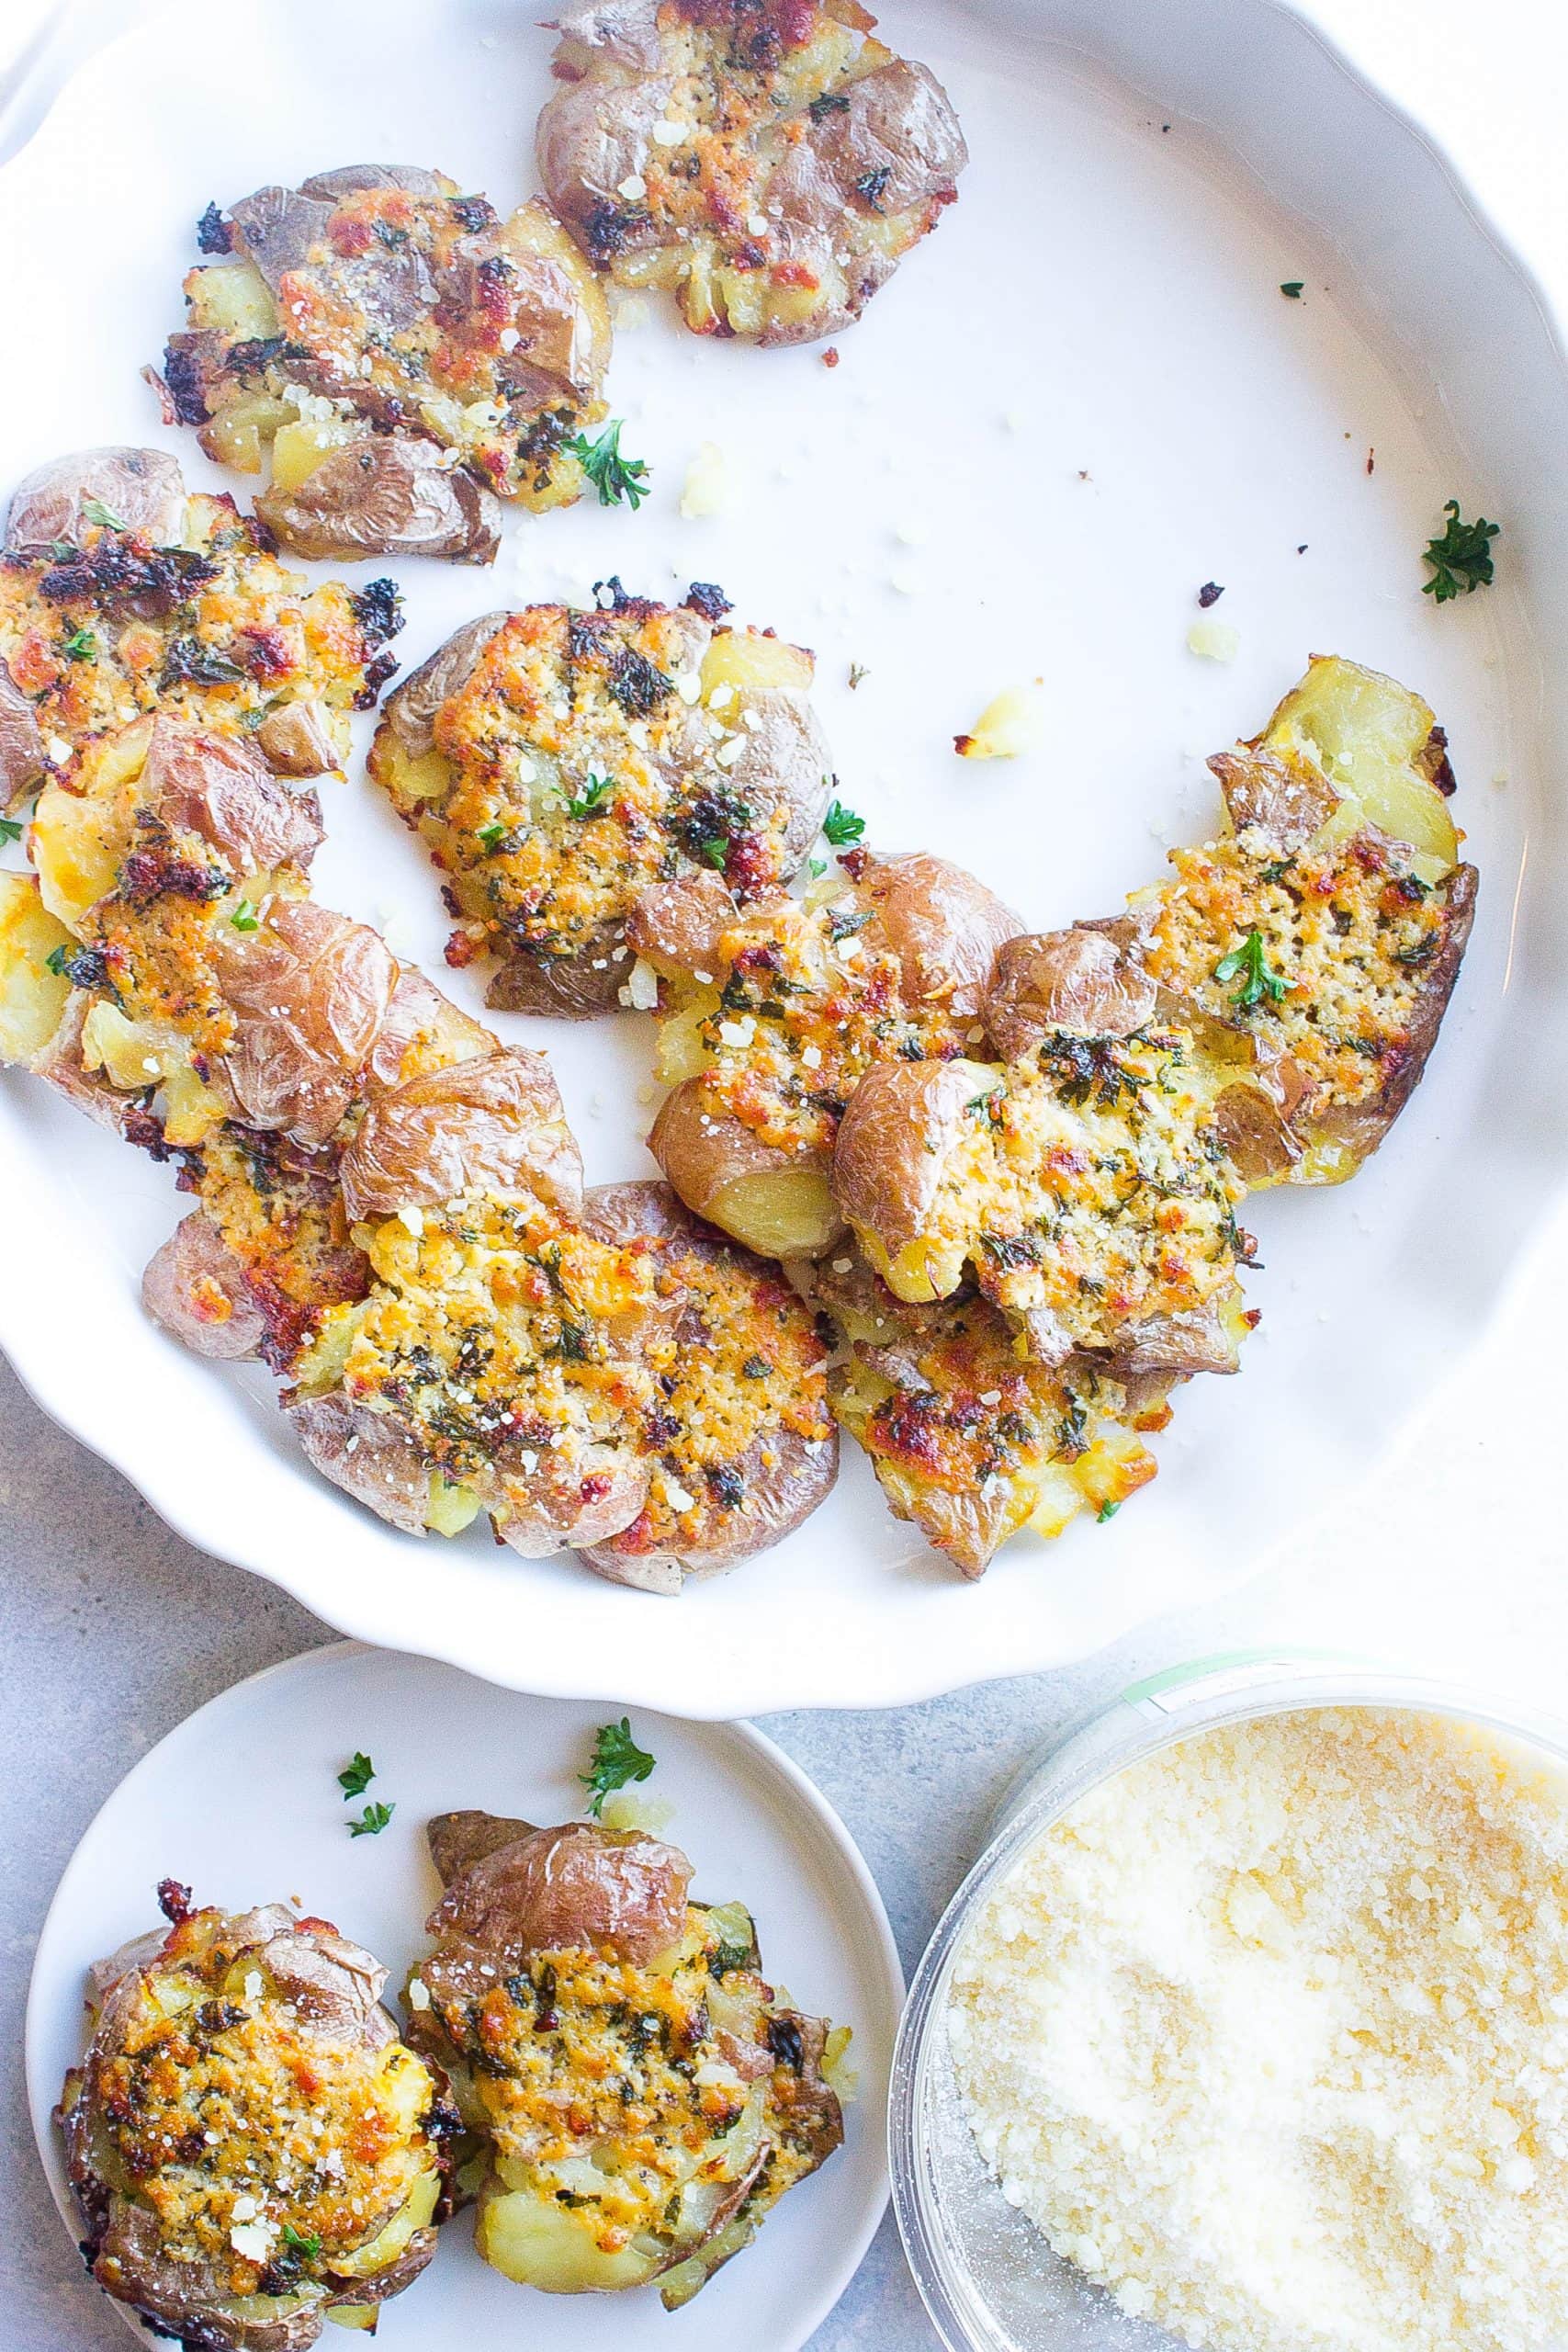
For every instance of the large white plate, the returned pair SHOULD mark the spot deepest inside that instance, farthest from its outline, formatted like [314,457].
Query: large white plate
[1083,399]
[241,1804]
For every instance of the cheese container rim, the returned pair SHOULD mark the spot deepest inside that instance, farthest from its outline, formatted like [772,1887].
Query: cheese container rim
[987,2279]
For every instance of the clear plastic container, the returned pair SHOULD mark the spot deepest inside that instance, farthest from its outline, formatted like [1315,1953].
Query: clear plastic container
[988,2278]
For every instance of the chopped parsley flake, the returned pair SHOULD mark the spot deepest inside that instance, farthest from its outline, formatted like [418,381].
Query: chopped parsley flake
[244,917]
[1292,289]
[80,646]
[1250,964]
[357,1777]
[841,826]
[1107,1510]
[372,1821]
[492,835]
[304,2243]
[10,829]
[95,511]
[617,1758]
[588,801]
[1461,559]
[613,477]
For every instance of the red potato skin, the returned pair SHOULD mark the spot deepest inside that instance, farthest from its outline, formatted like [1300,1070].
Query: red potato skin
[495,1123]
[309,994]
[573,1887]
[385,496]
[24,761]
[368,1455]
[197,1290]
[216,788]
[945,927]
[1076,980]
[902,1123]
[143,489]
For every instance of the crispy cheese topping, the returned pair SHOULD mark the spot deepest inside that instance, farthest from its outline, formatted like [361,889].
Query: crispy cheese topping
[248,2135]
[495,1334]
[1350,928]
[1092,1187]
[215,630]
[575,768]
[802,1004]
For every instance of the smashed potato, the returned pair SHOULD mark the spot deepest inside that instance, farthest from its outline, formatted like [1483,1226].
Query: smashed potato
[1086,1189]
[1327,926]
[404,355]
[560,763]
[971,1438]
[746,1447]
[771,1015]
[175,605]
[771,164]
[251,2148]
[639,2096]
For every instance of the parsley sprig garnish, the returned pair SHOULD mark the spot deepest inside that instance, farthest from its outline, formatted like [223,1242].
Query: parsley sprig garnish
[841,826]
[1250,964]
[617,1758]
[588,801]
[1461,558]
[372,1821]
[613,477]
[357,1775]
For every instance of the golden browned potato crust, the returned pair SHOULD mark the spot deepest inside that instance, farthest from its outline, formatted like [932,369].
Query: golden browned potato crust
[771,1015]
[640,2095]
[250,2145]
[1085,1187]
[403,354]
[1328,925]
[745,1445]
[970,1438]
[771,164]
[560,763]
[103,625]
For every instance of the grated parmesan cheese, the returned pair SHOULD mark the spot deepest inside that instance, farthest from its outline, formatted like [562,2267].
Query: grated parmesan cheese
[1270,2037]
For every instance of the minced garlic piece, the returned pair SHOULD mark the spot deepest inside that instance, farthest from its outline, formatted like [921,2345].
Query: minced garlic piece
[1213,641]
[1269,2036]
[1014,723]
[707,486]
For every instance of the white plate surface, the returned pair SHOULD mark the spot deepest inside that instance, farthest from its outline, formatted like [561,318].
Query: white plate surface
[240,1803]
[1082,399]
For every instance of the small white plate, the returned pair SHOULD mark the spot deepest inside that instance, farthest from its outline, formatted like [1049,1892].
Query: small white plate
[242,1804]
